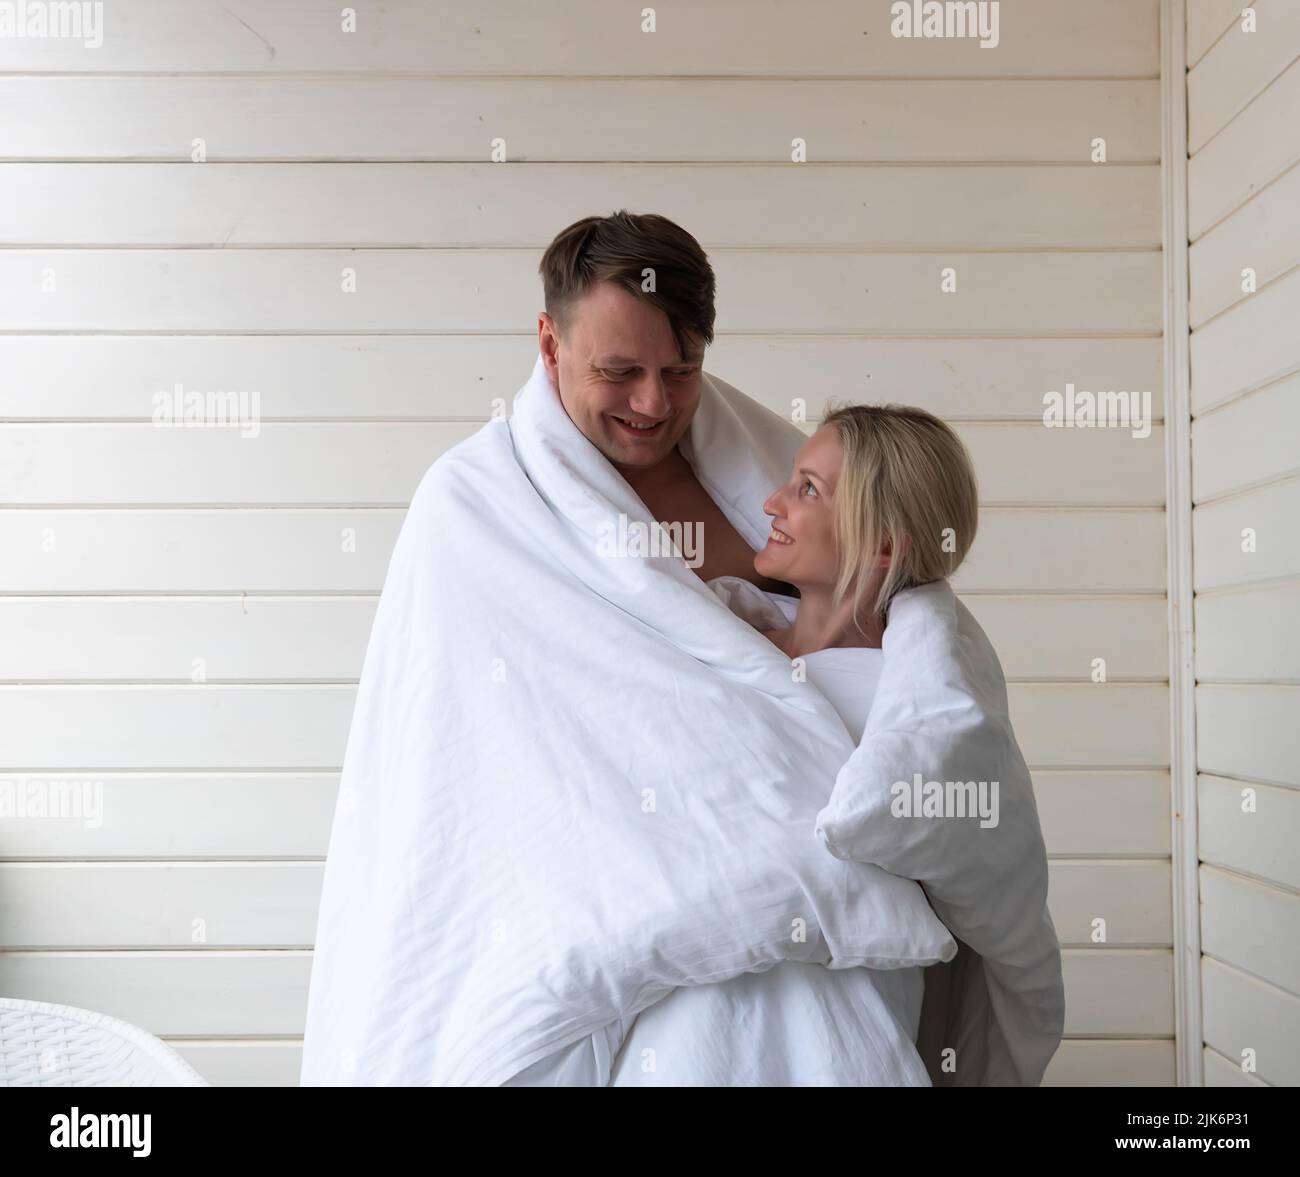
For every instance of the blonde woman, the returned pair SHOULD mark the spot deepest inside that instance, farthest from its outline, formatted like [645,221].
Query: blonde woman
[879,499]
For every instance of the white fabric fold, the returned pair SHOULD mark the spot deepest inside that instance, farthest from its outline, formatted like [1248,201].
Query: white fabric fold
[574,781]
[939,728]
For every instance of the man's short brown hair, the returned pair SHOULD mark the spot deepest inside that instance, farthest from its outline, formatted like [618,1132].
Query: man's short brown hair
[619,248]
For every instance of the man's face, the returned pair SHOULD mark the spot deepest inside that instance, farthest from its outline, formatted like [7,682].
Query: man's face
[620,376]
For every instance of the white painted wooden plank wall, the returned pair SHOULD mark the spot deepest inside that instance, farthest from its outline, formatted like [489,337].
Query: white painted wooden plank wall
[134,555]
[1243,93]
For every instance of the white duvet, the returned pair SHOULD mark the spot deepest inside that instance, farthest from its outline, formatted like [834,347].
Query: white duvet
[574,781]
[938,791]
[795,1025]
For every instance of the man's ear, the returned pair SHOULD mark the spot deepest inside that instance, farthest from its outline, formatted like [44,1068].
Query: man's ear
[548,346]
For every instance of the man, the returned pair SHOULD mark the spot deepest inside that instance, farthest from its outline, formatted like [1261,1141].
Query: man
[629,312]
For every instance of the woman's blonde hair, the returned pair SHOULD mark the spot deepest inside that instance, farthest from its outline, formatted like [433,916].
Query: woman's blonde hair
[905,479]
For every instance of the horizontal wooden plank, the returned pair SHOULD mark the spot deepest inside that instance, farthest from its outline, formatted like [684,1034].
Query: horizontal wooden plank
[259,638]
[498,290]
[249,1062]
[1068,549]
[1249,731]
[1247,538]
[1252,926]
[227,205]
[803,37]
[1098,725]
[1116,991]
[169,815]
[1262,235]
[559,119]
[1222,367]
[1083,1062]
[159,905]
[1239,67]
[288,815]
[197,551]
[158,639]
[216,993]
[1259,840]
[246,462]
[1263,425]
[200,726]
[1261,143]
[1207,20]
[1101,814]
[1249,635]
[84,729]
[1060,637]
[298,550]
[190,993]
[378,376]
[274,905]
[1132,898]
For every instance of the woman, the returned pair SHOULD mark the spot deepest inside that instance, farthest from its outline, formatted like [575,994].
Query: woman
[879,499]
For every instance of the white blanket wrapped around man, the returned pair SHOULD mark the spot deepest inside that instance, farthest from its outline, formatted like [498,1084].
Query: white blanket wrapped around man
[575,780]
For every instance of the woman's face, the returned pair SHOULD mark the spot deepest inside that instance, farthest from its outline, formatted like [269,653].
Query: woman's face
[801,549]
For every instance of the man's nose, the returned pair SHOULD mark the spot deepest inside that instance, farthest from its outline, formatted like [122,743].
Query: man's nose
[650,398]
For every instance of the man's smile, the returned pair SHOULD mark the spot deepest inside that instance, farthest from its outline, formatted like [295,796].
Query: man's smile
[640,428]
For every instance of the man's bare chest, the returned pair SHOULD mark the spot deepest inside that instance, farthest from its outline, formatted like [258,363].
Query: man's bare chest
[720,548]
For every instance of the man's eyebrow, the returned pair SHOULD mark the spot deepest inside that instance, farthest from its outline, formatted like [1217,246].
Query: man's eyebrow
[608,361]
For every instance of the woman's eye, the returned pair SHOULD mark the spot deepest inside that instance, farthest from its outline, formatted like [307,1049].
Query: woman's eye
[808,486]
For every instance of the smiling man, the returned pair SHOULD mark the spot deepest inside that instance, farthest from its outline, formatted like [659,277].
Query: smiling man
[629,312]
